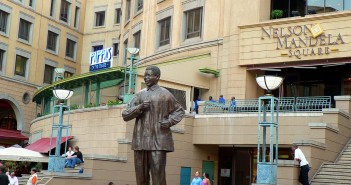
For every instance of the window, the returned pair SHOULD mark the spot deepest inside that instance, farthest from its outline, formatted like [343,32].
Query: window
[67,74]
[324,6]
[137,37]
[139,5]
[4,16]
[125,53]
[76,17]
[193,23]
[24,29]
[98,47]
[127,10]
[31,3]
[52,41]
[118,14]
[70,48]
[100,18]
[2,53]
[49,74]
[115,49]
[65,10]
[21,64]
[52,8]
[165,29]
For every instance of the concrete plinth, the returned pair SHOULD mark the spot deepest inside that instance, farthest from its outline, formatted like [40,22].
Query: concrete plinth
[56,164]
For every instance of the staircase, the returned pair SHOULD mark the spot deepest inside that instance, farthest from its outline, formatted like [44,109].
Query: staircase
[44,177]
[335,173]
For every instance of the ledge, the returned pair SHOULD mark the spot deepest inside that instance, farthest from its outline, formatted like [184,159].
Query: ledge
[105,158]
[342,98]
[177,130]
[68,175]
[288,163]
[311,143]
[336,111]
[323,126]
[124,141]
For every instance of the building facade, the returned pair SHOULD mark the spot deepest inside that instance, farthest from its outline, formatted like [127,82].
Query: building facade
[35,37]
[211,48]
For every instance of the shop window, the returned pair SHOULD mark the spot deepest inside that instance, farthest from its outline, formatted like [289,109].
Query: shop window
[48,74]
[165,30]
[193,23]
[65,11]
[99,18]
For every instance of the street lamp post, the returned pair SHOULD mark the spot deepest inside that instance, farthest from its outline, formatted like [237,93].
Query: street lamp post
[56,161]
[268,119]
[129,94]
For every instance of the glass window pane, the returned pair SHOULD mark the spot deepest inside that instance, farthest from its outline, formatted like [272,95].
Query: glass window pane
[70,48]
[48,74]
[1,58]
[315,6]
[20,68]
[347,5]
[3,21]
[24,27]
[334,5]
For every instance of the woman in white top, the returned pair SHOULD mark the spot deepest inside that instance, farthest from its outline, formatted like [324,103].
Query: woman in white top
[13,179]
[69,151]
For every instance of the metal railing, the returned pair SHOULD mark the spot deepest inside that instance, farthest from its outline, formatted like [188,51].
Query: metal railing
[286,104]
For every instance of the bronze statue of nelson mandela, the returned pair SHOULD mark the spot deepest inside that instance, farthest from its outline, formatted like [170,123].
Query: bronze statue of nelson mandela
[155,110]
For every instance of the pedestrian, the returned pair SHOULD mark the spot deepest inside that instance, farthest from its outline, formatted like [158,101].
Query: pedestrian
[13,179]
[33,179]
[206,180]
[210,99]
[4,179]
[155,111]
[304,167]
[197,179]
[196,108]
[111,183]
[221,99]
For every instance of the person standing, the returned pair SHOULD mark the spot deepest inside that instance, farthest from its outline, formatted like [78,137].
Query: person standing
[75,158]
[221,99]
[13,179]
[33,179]
[196,108]
[4,179]
[197,179]
[304,167]
[155,111]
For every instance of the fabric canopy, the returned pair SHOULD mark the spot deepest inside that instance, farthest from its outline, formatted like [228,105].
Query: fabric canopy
[43,144]
[21,154]
[12,135]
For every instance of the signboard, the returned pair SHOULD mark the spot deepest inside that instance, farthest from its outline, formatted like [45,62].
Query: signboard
[225,172]
[101,59]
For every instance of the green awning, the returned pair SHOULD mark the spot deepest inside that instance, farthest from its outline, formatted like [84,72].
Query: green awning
[106,77]
[208,70]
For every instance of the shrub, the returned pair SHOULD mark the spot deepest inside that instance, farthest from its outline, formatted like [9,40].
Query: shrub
[276,14]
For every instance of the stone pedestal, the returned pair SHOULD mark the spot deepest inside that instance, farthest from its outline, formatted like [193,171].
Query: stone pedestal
[56,164]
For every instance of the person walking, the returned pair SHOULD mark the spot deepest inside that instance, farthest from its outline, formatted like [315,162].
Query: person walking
[206,180]
[304,165]
[33,179]
[155,111]
[197,179]
[13,179]
[4,179]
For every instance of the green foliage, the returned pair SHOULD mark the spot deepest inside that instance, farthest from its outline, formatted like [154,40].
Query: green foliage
[114,102]
[38,166]
[276,14]
[11,165]
[90,105]
[74,107]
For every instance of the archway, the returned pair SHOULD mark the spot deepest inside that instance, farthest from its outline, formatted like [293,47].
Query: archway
[10,109]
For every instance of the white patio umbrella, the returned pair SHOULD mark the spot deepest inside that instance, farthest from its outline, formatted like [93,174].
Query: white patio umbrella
[22,154]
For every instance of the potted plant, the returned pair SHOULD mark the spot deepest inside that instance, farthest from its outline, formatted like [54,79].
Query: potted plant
[276,14]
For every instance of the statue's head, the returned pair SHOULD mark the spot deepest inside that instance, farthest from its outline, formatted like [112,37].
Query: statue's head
[152,75]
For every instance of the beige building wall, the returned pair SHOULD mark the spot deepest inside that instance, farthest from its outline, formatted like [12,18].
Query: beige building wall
[15,86]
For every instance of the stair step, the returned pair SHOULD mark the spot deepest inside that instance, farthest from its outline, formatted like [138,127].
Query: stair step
[330,181]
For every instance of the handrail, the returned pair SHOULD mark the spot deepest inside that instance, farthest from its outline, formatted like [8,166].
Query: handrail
[286,104]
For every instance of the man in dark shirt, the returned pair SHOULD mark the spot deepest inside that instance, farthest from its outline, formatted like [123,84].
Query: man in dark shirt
[155,111]
[4,179]
[75,158]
